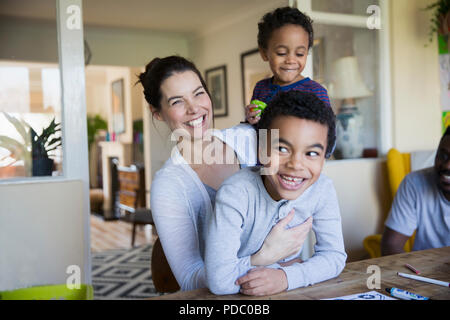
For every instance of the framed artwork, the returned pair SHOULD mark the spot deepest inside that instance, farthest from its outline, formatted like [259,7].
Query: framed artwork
[118,106]
[318,50]
[253,69]
[216,81]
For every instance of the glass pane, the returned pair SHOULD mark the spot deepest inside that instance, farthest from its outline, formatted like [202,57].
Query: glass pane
[346,62]
[358,7]
[30,96]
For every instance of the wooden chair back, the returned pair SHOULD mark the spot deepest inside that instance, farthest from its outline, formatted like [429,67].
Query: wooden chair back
[132,200]
[131,188]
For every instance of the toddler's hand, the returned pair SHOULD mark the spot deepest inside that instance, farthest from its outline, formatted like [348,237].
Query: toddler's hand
[252,115]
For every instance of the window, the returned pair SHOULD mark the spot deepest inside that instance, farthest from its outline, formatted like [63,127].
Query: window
[354,7]
[30,98]
[350,59]
[30,118]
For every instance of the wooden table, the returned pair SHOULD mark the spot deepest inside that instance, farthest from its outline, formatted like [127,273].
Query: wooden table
[433,263]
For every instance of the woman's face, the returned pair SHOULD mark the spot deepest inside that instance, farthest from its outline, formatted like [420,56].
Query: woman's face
[185,104]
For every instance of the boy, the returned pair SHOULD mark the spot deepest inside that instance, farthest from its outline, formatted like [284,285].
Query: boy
[249,204]
[285,37]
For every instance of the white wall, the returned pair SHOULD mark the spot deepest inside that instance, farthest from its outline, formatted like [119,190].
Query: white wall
[34,40]
[129,47]
[96,92]
[36,245]
[415,78]
[225,46]
[364,199]
[157,146]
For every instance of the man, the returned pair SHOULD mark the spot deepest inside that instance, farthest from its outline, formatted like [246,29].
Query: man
[422,202]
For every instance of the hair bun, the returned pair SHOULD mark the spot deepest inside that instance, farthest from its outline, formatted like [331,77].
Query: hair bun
[152,64]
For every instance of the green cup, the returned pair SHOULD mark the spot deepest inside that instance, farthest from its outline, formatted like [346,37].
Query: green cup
[260,105]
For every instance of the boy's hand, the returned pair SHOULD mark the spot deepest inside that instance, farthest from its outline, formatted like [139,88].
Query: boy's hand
[281,242]
[252,115]
[263,282]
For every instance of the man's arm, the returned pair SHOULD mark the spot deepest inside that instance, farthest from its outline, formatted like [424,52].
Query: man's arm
[392,242]
[402,219]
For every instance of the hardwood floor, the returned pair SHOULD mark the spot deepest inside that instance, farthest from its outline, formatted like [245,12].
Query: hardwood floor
[107,235]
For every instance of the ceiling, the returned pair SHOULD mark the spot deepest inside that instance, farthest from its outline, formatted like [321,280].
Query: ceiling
[187,16]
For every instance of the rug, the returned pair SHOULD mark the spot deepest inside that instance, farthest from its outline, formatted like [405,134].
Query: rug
[123,274]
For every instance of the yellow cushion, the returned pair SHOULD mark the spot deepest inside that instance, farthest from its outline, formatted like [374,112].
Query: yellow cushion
[398,166]
[372,244]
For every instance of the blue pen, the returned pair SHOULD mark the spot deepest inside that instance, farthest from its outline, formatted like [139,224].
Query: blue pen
[405,295]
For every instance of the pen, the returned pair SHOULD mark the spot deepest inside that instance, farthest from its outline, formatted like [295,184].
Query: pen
[411,276]
[405,295]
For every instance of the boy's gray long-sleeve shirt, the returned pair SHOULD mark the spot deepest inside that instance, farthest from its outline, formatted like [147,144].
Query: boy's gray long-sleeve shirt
[180,204]
[244,215]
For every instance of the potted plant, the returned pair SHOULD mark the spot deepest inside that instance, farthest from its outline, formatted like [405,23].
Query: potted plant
[94,124]
[41,146]
[440,21]
[440,26]
[35,148]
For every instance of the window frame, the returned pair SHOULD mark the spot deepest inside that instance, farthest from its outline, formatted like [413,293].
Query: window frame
[384,133]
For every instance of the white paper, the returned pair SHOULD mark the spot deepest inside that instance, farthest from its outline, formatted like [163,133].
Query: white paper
[371,295]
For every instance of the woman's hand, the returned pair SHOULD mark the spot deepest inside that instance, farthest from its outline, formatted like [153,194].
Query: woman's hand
[263,282]
[281,242]
[251,115]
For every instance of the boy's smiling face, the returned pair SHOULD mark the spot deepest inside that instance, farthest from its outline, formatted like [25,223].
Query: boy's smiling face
[286,52]
[296,159]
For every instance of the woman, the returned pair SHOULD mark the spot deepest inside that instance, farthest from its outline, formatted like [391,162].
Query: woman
[183,190]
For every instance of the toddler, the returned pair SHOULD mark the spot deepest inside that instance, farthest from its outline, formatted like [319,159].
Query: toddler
[285,37]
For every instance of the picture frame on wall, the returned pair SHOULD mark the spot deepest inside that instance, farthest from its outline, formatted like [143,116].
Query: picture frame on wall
[216,81]
[253,69]
[118,106]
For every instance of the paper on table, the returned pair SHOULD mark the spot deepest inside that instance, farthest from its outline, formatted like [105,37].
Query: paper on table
[371,295]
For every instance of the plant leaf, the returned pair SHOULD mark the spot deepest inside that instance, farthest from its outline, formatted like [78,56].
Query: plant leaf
[21,126]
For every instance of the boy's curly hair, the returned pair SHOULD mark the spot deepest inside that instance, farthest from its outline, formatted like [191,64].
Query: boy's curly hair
[302,105]
[280,17]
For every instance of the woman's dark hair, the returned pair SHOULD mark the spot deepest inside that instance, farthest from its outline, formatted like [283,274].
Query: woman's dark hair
[302,105]
[158,70]
[446,133]
[280,17]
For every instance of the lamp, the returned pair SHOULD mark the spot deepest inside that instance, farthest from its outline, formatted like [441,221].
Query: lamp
[348,86]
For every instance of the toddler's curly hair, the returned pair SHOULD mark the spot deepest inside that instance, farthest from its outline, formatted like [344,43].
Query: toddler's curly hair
[279,18]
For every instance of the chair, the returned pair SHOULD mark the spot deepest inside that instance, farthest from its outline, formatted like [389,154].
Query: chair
[398,166]
[131,199]
[162,276]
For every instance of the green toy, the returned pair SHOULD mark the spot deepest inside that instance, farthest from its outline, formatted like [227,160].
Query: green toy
[259,106]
